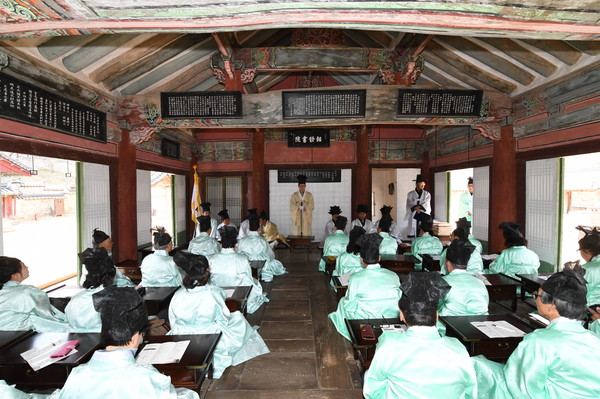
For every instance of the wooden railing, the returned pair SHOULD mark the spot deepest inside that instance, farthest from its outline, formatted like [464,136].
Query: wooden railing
[57,281]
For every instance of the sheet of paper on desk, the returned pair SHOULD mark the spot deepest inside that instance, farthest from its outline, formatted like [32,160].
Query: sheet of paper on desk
[543,277]
[167,352]
[345,278]
[483,278]
[229,292]
[39,358]
[497,329]
[489,257]
[539,318]
[435,257]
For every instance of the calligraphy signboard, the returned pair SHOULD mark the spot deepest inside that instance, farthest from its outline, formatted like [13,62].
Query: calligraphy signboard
[308,138]
[201,104]
[424,102]
[324,104]
[313,175]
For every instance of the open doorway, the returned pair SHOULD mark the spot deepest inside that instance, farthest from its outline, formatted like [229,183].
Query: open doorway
[461,199]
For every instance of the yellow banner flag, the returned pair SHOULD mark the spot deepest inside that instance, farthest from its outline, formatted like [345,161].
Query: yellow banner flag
[195,203]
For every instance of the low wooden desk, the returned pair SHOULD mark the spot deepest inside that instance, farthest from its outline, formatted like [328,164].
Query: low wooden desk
[257,266]
[196,363]
[503,288]
[430,264]
[150,249]
[300,241]
[157,298]
[8,338]
[340,289]
[15,370]
[398,263]
[60,297]
[531,282]
[477,343]
[130,268]
[365,350]
[488,262]
[330,262]
[239,299]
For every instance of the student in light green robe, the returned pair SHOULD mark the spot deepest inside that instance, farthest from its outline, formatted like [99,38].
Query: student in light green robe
[468,295]
[24,307]
[336,243]
[419,363]
[112,372]
[372,293]
[389,245]
[203,243]
[256,247]
[465,202]
[10,392]
[199,308]
[349,261]
[426,243]
[556,362]
[81,315]
[464,224]
[517,258]
[589,249]
[475,264]
[158,268]
[101,240]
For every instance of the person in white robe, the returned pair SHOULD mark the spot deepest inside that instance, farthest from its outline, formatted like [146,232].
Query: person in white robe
[213,222]
[158,268]
[416,200]
[224,221]
[361,219]
[112,372]
[203,243]
[302,205]
[230,269]
[199,308]
[394,230]
[245,225]
[335,211]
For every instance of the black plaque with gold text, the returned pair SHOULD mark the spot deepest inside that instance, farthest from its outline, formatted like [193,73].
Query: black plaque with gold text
[324,104]
[424,102]
[201,104]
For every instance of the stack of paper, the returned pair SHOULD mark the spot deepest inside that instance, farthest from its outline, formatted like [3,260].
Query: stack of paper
[497,329]
[442,229]
[489,257]
[539,318]
[167,352]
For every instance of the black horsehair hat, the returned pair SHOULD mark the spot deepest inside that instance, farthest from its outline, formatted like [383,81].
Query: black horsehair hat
[369,247]
[568,285]
[96,260]
[335,210]
[98,236]
[122,311]
[205,206]
[224,214]
[362,208]
[301,179]
[161,237]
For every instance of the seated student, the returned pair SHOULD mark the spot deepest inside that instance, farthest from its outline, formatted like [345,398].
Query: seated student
[203,243]
[243,232]
[335,211]
[100,274]
[361,219]
[224,221]
[589,249]
[268,229]
[229,269]
[349,261]
[101,240]
[372,292]
[464,224]
[199,308]
[386,211]
[112,372]
[213,222]
[468,295]
[10,392]
[420,363]
[23,307]
[256,247]
[556,362]
[516,258]
[426,243]
[475,264]
[336,243]
[158,268]
[389,246]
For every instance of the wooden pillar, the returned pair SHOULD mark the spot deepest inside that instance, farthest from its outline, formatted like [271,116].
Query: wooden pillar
[258,183]
[503,187]
[234,84]
[425,171]
[123,182]
[361,178]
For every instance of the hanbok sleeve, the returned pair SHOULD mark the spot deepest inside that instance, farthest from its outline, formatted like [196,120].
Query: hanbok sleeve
[376,380]
[526,370]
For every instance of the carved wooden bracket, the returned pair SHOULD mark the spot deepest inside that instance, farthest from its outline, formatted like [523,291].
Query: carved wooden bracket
[140,134]
[490,130]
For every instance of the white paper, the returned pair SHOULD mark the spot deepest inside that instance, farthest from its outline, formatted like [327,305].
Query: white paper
[39,358]
[229,292]
[167,352]
[539,318]
[543,277]
[345,278]
[393,327]
[497,329]
[483,278]
[435,257]
[489,257]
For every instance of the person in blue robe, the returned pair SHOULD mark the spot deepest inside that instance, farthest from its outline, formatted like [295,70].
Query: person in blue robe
[199,308]
[419,363]
[80,312]
[336,243]
[158,268]
[24,307]
[102,240]
[372,292]
[556,362]
[112,372]
[516,258]
[203,243]
[389,245]
[230,269]
[256,247]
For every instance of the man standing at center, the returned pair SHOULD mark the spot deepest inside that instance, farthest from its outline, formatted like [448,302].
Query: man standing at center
[417,200]
[302,204]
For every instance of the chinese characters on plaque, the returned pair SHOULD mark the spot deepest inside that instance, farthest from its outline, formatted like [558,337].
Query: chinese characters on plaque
[324,104]
[423,102]
[313,175]
[201,104]
[308,138]
[26,103]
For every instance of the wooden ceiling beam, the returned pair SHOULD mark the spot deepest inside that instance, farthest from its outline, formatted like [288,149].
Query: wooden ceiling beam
[526,57]
[93,51]
[188,79]
[456,72]
[588,47]
[558,49]
[61,45]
